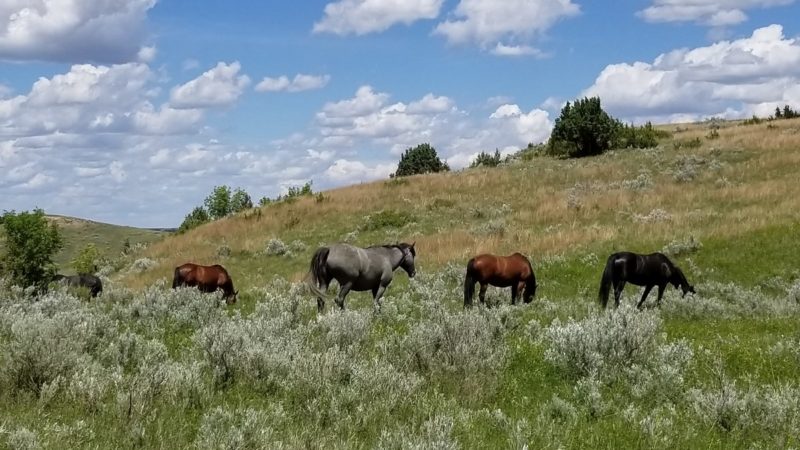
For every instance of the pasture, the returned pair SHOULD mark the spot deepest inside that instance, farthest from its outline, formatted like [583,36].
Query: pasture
[144,366]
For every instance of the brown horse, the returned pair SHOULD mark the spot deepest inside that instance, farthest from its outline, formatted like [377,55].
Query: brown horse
[206,278]
[501,271]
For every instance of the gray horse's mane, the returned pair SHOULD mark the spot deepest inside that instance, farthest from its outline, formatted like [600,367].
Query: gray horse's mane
[400,246]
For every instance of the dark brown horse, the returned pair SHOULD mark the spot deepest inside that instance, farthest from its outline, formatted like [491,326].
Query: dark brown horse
[206,278]
[501,271]
[650,270]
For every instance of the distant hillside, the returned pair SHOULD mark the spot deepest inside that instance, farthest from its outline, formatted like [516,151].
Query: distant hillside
[108,238]
[729,185]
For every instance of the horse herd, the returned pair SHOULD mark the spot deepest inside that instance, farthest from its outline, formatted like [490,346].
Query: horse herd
[372,269]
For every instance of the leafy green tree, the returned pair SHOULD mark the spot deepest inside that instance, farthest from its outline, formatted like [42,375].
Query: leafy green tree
[487,160]
[197,217]
[31,243]
[86,261]
[631,136]
[240,200]
[583,129]
[218,203]
[420,159]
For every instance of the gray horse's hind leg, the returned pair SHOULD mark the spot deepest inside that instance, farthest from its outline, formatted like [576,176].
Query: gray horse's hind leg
[343,290]
[644,296]
[377,294]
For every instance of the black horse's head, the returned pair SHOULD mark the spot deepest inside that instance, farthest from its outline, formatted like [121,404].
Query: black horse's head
[679,281]
[687,288]
[409,253]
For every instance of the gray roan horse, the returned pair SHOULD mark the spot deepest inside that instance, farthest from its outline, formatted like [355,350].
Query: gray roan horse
[358,269]
[650,270]
[86,280]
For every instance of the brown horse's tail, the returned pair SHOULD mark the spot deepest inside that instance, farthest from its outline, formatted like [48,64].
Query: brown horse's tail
[319,270]
[605,281]
[469,283]
[530,286]
[177,278]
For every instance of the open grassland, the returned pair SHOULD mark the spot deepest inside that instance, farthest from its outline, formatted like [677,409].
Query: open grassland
[109,239]
[148,367]
[742,183]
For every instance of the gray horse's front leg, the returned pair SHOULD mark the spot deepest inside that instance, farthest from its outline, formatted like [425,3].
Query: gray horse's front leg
[644,296]
[377,294]
[345,288]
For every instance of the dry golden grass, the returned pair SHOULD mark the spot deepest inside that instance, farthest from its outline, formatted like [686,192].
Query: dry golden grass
[747,182]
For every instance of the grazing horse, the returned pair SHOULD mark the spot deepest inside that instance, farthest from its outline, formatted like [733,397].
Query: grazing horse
[650,270]
[86,280]
[358,269]
[501,271]
[207,279]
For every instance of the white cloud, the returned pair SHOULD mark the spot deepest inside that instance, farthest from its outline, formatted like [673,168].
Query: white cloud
[506,27]
[370,16]
[109,31]
[301,82]
[728,78]
[516,50]
[219,86]
[147,54]
[715,13]
[351,172]
[369,122]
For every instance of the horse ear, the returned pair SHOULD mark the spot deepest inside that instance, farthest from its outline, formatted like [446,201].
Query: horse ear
[413,244]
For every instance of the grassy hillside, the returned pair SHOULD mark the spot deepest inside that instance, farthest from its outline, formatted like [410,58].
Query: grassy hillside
[108,238]
[730,193]
[148,367]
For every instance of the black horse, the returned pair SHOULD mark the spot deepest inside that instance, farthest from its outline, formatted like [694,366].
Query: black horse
[650,270]
[86,280]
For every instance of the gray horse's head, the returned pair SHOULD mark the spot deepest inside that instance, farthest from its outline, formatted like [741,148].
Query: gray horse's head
[409,253]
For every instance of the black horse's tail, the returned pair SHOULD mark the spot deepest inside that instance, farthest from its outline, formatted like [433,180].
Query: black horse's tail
[319,270]
[469,283]
[177,278]
[605,282]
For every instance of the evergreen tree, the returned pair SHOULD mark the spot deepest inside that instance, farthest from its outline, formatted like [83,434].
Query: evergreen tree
[420,159]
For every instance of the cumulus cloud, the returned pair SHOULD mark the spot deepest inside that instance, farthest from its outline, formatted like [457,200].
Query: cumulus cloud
[219,86]
[111,31]
[346,171]
[300,82]
[370,16]
[729,78]
[506,28]
[370,121]
[715,13]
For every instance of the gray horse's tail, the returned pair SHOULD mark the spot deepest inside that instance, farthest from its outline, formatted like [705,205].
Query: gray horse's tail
[318,270]
[605,281]
[469,283]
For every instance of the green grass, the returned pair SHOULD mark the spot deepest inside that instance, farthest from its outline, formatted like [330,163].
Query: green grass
[108,238]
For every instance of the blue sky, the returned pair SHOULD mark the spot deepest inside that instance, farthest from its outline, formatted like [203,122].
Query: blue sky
[130,111]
